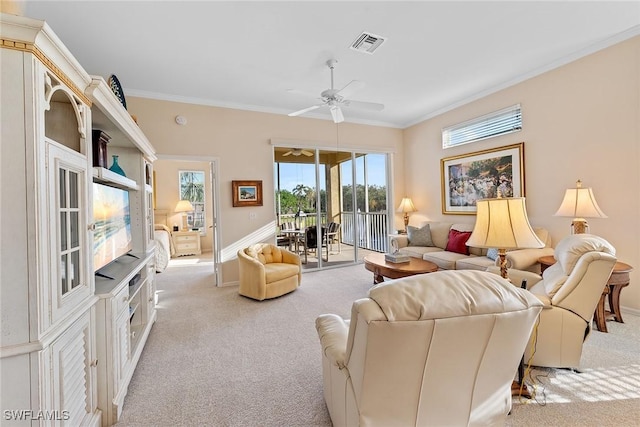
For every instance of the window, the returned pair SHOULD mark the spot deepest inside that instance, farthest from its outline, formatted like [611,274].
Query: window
[192,188]
[493,124]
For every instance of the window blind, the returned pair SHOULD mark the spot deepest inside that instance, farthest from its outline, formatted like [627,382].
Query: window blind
[493,124]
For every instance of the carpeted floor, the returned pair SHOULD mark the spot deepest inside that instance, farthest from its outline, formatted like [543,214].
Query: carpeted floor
[215,358]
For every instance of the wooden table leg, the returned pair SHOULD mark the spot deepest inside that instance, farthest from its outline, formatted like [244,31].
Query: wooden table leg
[600,315]
[614,301]
[377,278]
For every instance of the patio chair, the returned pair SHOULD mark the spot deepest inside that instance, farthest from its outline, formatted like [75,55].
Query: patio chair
[333,236]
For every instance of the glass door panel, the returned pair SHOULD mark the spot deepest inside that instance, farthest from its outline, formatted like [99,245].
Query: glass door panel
[318,191]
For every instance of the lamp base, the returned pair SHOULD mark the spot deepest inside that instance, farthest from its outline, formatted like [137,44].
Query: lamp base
[579,226]
[406,222]
[502,255]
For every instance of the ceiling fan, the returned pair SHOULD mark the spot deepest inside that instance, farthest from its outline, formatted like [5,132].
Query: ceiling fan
[298,151]
[335,99]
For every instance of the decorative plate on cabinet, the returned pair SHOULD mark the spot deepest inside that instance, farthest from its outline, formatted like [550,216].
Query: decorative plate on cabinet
[115,86]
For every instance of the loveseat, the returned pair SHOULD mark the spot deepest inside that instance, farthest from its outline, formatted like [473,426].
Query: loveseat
[443,243]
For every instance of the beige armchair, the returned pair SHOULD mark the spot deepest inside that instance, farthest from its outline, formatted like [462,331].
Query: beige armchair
[570,290]
[435,349]
[267,271]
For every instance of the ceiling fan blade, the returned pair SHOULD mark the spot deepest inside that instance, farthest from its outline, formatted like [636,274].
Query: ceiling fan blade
[352,87]
[305,110]
[374,106]
[307,153]
[336,113]
[288,153]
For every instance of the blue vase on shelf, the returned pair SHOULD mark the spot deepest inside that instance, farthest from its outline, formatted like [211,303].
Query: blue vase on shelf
[115,167]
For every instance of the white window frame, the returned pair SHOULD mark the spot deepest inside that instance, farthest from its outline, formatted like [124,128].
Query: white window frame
[198,206]
[500,122]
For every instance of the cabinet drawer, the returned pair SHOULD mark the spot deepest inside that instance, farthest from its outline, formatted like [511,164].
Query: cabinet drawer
[186,245]
[122,300]
[180,239]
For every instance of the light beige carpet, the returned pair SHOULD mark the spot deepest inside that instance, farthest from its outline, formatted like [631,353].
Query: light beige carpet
[215,358]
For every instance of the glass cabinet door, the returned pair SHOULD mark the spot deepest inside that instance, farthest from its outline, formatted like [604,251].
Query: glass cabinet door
[71,248]
[69,237]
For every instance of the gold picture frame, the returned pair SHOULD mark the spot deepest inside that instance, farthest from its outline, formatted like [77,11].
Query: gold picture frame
[246,193]
[480,175]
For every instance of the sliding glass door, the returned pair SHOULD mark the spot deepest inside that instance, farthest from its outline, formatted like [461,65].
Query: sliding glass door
[335,201]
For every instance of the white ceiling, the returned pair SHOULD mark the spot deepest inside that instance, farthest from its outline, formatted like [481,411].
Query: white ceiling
[247,55]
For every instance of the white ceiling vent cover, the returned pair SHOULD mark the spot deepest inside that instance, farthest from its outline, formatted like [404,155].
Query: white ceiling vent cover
[367,43]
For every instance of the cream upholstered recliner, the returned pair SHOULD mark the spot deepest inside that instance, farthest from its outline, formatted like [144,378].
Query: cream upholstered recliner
[435,349]
[570,290]
[267,271]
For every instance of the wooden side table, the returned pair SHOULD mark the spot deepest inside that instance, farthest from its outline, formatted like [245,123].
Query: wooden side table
[619,279]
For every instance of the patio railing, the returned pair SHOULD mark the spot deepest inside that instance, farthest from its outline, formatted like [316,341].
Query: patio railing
[372,228]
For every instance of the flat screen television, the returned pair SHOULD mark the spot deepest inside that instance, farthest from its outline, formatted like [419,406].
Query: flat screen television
[111,215]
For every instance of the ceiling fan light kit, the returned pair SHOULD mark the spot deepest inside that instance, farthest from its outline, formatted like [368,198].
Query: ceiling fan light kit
[297,152]
[335,99]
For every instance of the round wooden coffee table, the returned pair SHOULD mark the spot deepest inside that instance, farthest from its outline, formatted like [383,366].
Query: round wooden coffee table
[381,268]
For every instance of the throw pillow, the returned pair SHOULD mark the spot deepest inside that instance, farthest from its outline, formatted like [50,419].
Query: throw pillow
[492,253]
[419,236]
[457,240]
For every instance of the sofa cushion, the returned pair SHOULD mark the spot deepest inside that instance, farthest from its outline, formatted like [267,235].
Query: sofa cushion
[439,232]
[474,263]
[276,271]
[419,236]
[445,260]
[457,242]
[418,251]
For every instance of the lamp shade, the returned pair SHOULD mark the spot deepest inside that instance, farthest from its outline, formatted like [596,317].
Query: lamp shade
[502,223]
[406,205]
[184,206]
[580,203]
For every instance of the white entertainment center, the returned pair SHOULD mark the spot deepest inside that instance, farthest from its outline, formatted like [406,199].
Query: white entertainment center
[70,339]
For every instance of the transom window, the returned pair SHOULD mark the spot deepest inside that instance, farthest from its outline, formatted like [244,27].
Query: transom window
[493,124]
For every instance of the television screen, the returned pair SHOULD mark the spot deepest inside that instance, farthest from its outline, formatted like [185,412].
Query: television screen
[112,234]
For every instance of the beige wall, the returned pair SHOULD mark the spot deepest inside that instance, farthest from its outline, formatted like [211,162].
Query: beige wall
[168,193]
[580,121]
[241,140]
[12,7]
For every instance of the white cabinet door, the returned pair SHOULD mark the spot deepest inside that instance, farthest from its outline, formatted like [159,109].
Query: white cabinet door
[73,379]
[70,274]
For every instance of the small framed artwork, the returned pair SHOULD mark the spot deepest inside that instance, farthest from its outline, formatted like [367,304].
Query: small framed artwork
[467,178]
[247,193]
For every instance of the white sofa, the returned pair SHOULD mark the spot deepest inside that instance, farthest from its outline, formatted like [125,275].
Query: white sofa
[417,353]
[521,259]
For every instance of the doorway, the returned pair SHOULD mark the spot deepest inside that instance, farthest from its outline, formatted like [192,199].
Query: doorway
[195,179]
[336,202]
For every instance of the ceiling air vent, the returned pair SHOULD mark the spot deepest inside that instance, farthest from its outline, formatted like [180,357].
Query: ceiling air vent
[367,43]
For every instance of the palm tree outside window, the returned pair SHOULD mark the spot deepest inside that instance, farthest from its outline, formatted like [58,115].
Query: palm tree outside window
[192,188]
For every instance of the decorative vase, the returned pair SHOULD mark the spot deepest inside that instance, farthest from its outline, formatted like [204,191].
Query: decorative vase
[115,167]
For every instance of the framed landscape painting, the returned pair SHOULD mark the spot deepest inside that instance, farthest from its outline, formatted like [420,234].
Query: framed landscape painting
[247,193]
[467,178]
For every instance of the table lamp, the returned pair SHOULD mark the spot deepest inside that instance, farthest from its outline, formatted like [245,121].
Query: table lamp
[579,203]
[183,207]
[502,223]
[406,206]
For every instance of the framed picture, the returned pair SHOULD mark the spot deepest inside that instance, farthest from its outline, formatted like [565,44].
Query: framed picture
[247,193]
[481,175]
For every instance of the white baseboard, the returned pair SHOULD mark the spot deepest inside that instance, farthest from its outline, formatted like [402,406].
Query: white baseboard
[234,283]
[633,311]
